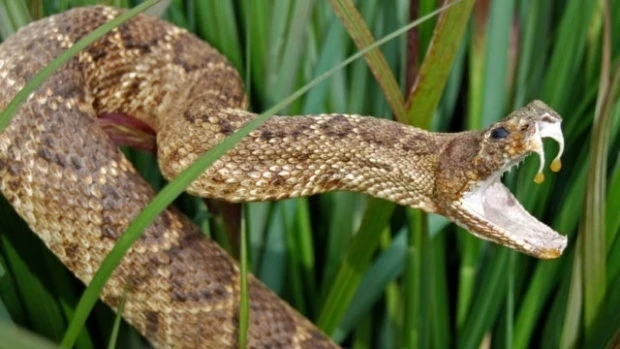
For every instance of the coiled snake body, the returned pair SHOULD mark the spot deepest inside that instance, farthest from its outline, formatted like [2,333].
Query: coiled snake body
[75,189]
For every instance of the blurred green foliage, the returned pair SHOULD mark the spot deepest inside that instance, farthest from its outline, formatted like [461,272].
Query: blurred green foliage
[418,281]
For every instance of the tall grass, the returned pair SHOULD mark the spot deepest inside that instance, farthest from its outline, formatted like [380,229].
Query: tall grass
[370,274]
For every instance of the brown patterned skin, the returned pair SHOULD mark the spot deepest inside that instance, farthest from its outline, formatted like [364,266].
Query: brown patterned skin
[76,190]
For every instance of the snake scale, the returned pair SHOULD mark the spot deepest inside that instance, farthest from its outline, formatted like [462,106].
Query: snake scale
[65,176]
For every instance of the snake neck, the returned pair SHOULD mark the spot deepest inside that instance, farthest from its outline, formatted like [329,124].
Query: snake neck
[305,155]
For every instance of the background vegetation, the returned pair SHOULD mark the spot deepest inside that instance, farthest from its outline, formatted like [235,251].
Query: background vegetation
[370,274]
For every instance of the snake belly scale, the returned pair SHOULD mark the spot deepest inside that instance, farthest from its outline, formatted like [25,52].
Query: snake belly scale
[75,189]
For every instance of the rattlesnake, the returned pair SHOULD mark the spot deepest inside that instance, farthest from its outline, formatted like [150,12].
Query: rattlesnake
[75,189]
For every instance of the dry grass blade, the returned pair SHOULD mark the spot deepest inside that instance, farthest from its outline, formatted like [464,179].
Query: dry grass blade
[357,28]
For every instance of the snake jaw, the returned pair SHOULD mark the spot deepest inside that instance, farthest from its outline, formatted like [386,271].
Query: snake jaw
[491,212]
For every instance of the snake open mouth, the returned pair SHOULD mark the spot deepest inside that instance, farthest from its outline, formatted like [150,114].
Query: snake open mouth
[491,205]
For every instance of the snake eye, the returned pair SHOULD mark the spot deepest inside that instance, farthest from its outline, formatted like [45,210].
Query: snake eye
[499,133]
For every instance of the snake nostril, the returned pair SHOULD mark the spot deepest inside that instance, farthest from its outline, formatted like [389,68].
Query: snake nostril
[525,126]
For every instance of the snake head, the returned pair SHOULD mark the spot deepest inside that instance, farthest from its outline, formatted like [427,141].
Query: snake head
[469,184]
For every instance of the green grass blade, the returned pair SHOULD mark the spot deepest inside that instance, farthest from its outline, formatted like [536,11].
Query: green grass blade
[386,268]
[305,255]
[4,312]
[12,309]
[43,311]
[545,276]
[415,303]
[256,32]
[16,338]
[356,260]
[426,30]
[258,216]
[594,249]
[359,32]
[487,302]
[339,231]
[476,66]
[295,280]
[13,15]
[244,268]
[293,48]
[112,343]
[276,41]
[439,297]
[574,304]
[613,220]
[215,24]
[567,53]
[527,51]
[273,262]
[332,51]
[429,87]
[605,330]
[613,204]
[244,302]
[496,59]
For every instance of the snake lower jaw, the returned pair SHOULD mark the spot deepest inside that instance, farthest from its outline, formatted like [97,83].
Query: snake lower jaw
[492,213]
